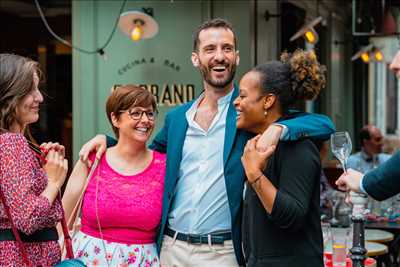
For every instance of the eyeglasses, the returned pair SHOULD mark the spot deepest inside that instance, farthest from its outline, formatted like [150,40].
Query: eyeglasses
[138,114]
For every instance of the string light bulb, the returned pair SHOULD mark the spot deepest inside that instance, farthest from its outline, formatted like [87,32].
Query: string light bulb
[369,53]
[137,31]
[311,36]
[365,57]
[378,55]
[138,25]
[308,32]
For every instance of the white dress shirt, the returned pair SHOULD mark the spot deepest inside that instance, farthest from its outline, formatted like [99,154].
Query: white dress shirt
[200,204]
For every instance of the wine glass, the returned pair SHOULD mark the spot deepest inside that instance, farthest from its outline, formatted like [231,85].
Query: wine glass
[341,147]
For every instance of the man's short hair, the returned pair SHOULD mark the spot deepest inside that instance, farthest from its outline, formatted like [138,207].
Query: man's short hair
[214,23]
[364,134]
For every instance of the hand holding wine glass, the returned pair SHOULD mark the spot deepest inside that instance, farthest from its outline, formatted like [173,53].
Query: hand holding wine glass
[341,147]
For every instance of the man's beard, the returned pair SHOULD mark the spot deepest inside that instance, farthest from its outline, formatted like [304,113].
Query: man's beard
[218,84]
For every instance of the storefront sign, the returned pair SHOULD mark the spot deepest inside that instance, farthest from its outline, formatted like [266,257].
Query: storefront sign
[171,94]
[166,94]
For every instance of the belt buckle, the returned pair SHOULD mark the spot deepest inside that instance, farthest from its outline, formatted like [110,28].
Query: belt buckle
[194,239]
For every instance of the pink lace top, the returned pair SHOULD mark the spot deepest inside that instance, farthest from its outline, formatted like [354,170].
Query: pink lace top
[129,207]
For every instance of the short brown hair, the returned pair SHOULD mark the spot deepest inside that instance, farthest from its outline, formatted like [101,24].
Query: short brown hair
[16,82]
[214,23]
[125,97]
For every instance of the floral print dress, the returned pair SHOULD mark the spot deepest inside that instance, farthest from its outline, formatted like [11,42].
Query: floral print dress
[22,180]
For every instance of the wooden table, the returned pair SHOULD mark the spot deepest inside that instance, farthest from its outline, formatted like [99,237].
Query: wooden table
[375,249]
[373,235]
[380,236]
[394,228]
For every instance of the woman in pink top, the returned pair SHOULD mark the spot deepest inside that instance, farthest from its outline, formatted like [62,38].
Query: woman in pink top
[121,207]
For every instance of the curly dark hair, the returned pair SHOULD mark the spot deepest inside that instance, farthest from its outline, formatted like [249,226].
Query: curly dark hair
[298,76]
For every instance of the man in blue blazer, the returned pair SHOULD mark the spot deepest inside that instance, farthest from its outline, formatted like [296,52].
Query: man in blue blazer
[382,182]
[203,189]
[202,204]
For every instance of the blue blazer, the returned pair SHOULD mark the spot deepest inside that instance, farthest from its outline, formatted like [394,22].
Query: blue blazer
[171,138]
[384,181]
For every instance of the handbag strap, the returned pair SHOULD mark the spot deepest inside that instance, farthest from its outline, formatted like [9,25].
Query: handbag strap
[78,206]
[75,212]
[67,237]
[15,231]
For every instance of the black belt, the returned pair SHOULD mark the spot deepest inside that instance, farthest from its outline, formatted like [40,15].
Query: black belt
[43,235]
[215,238]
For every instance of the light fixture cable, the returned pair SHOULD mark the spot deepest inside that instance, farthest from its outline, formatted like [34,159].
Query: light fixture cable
[98,50]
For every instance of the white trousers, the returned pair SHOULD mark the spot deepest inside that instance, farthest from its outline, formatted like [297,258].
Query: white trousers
[177,253]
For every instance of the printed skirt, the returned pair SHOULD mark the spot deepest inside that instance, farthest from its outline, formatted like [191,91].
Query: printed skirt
[92,252]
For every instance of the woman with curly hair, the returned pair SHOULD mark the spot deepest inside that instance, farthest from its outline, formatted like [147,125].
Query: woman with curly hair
[281,224]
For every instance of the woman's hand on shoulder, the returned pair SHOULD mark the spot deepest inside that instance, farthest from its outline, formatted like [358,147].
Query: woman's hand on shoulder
[253,160]
[97,144]
[56,168]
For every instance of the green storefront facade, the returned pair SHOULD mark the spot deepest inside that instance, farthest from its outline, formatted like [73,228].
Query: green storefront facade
[163,64]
